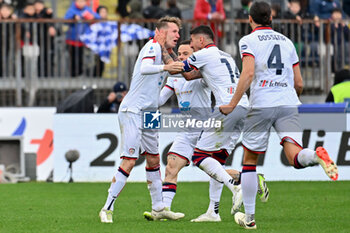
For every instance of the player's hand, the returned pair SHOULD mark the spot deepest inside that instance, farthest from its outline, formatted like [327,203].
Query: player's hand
[175,67]
[226,109]
[160,37]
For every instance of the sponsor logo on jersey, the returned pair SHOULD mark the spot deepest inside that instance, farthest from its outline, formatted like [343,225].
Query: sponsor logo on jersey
[151,50]
[244,47]
[185,106]
[131,151]
[152,119]
[270,83]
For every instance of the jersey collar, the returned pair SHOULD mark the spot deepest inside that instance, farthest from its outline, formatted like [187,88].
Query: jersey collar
[209,45]
[262,28]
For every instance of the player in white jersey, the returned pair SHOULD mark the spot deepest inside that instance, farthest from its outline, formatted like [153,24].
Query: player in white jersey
[194,101]
[219,71]
[271,69]
[147,79]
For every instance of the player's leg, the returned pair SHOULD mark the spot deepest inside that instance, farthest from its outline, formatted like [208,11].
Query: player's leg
[130,144]
[149,143]
[174,165]
[211,141]
[179,155]
[289,130]
[255,138]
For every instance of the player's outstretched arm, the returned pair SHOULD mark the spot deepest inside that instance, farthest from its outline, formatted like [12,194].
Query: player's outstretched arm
[193,74]
[244,82]
[165,94]
[298,80]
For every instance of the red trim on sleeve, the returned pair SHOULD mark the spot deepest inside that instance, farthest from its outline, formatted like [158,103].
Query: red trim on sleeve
[193,67]
[248,54]
[171,88]
[296,64]
[153,58]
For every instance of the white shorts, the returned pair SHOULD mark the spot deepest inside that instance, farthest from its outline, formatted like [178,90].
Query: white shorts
[134,137]
[256,132]
[226,137]
[184,144]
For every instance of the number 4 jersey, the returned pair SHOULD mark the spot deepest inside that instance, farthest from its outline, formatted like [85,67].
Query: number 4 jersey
[275,56]
[219,72]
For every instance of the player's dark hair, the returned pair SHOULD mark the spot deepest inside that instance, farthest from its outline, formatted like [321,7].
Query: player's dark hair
[203,29]
[163,22]
[185,42]
[261,13]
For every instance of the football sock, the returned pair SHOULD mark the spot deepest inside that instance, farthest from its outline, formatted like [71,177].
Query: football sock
[155,187]
[215,189]
[115,188]
[249,188]
[305,158]
[215,170]
[169,191]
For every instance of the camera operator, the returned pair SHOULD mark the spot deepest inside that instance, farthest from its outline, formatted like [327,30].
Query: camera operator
[113,100]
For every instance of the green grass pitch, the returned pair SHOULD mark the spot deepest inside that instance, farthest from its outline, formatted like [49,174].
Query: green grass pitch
[74,207]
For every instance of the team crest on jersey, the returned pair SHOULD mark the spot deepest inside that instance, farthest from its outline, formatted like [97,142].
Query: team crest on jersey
[131,151]
[193,58]
[151,50]
[244,47]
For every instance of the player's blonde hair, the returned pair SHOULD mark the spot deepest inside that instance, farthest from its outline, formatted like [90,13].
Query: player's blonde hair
[163,22]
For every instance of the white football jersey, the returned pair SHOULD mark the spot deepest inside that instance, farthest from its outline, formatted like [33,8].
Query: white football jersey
[144,89]
[219,71]
[193,96]
[275,56]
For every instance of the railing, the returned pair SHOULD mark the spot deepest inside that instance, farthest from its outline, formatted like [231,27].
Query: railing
[36,69]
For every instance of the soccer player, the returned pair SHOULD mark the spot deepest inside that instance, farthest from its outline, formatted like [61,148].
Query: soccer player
[146,83]
[271,69]
[219,71]
[194,101]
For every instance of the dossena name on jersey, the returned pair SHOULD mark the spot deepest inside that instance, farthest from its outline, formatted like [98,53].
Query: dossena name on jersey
[271,37]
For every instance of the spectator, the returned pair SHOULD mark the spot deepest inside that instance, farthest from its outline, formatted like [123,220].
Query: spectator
[173,10]
[100,65]
[135,8]
[322,9]
[212,10]
[112,102]
[243,13]
[154,11]
[6,11]
[28,12]
[6,29]
[46,32]
[341,87]
[122,8]
[276,11]
[78,11]
[339,37]
[29,45]
[294,11]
